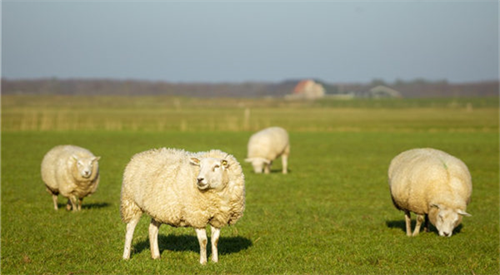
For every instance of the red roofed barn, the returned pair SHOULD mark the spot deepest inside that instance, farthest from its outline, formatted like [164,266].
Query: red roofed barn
[308,89]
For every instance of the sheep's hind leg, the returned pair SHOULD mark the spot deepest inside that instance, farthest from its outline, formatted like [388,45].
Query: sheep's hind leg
[408,223]
[154,226]
[54,199]
[284,161]
[202,239]
[128,236]
[214,238]
[420,219]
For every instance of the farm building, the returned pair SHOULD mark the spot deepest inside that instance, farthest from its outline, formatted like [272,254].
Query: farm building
[308,89]
[383,91]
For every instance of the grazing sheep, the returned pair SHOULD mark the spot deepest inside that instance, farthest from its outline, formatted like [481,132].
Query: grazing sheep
[71,171]
[185,189]
[432,184]
[266,146]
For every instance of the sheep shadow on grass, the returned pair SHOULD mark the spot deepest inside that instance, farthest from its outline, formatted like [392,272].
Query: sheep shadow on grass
[95,205]
[402,225]
[226,245]
[279,171]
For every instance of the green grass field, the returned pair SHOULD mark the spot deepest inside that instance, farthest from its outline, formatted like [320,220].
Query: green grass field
[332,214]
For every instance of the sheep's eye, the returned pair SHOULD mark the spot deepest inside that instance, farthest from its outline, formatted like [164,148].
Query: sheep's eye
[79,163]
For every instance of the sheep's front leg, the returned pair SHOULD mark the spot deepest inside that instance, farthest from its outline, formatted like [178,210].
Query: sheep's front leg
[267,168]
[54,199]
[420,219]
[72,203]
[408,223]
[154,226]
[426,224]
[202,239]
[215,240]
[80,201]
[128,237]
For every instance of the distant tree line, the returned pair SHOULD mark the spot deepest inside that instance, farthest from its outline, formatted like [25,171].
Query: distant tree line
[411,89]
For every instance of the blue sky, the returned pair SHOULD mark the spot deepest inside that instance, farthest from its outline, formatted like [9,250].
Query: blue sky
[239,41]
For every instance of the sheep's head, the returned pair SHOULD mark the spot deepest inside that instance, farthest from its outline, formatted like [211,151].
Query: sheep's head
[258,164]
[213,173]
[445,219]
[86,167]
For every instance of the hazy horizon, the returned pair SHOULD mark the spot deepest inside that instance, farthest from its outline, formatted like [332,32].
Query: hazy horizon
[237,42]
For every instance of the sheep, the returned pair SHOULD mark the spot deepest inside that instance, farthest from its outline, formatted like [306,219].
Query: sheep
[266,146]
[71,171]
[182,189]
[432,184]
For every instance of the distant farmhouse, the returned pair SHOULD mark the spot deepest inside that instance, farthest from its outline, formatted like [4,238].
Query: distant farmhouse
[307,89]
[382,92]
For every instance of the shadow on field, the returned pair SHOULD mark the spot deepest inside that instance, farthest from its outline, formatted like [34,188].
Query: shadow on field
[95,205]
[401,224]
[280,171]
[227,245]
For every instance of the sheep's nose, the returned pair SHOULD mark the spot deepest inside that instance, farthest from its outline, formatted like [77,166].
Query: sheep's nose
[446,234]
[200,179]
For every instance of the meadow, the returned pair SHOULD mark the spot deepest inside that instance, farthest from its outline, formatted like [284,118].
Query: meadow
[332,214]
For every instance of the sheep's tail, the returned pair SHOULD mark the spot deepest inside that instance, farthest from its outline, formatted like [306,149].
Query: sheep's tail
[129,210]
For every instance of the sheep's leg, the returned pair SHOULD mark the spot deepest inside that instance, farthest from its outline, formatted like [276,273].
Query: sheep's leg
[72,203]
[267,167]
[420,219]
[128,237]
[284,161]
[214,238]
[408,223]
[154,226]
[202,239]
[54,199]
[80,200]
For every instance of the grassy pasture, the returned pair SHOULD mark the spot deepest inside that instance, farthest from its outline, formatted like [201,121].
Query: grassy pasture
[331,215]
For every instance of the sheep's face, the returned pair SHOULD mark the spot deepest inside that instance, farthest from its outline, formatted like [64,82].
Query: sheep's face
[258,164]
[445,219]
[213,173]
[85,166]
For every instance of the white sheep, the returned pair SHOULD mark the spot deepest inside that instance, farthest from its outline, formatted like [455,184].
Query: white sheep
[432,184]
[185,189]
[267,145]
[71,171]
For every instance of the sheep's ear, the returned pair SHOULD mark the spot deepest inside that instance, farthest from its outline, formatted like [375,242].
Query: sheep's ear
[75,157]
[194,161]
[224,163]
[435,205]
[463,213]
[96,158]
[266,161]
[248,159]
